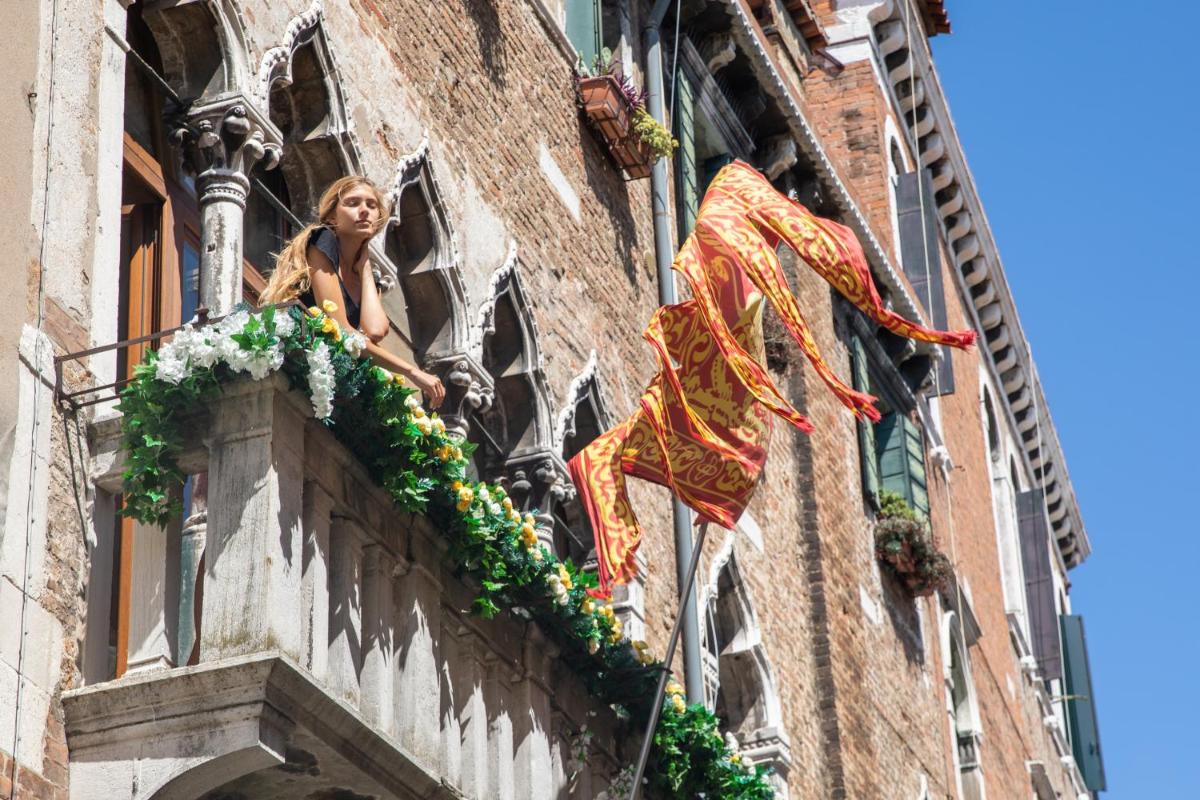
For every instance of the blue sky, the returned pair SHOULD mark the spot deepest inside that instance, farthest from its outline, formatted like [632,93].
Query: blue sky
[1080,123]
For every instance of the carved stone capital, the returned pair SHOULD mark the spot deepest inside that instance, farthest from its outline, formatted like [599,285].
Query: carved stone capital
[469,389]
[718,50]
[222,140]
[538,480]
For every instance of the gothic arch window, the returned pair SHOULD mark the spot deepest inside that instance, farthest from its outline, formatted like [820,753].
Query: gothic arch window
[745,697]
[584,417]
[993,429]
[517,423]
[202,46]
[300,86]
[963,710]
[429,309]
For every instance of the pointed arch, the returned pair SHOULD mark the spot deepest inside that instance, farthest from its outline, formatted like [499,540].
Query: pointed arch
[962,706]
[506,343]
[584,416]
[746,696]
[203,46]
[419,243]
[299,84]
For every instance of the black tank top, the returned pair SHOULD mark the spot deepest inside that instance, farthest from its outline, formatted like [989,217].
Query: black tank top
[326,241]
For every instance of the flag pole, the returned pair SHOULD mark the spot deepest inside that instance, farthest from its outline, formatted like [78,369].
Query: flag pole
[685,592]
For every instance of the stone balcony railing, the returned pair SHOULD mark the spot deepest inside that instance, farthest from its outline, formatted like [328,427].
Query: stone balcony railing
[336,658]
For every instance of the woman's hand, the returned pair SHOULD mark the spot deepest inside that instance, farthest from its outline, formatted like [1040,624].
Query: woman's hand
[430,385]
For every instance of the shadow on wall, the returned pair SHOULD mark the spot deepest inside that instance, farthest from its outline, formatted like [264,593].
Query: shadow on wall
[610,188]
[490,36]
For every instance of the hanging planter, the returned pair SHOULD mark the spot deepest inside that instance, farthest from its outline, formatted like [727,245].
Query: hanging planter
[905,544]
[615,108]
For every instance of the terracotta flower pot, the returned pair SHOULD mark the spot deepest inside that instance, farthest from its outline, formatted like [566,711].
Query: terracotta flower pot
[606,106]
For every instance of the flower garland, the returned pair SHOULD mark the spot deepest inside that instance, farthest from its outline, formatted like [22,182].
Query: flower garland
[409,453]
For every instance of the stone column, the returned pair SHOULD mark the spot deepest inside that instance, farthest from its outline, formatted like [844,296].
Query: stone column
[418,687]
[473,720]
[222,140]
[253,545]
[500,709]
[314,581]
[378,645]
[191,551]
[532,770]
[345,609]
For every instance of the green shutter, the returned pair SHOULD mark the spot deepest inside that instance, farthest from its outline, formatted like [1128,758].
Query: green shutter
[869,466]
[1081,704]
[902,460]
[687,181]
[583,29]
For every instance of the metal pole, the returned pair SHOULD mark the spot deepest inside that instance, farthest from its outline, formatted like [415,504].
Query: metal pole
[655,709]
[664,252]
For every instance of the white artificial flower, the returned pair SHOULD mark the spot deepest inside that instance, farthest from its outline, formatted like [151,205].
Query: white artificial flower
[413,400]
[354,343]
[320,380]
[424,425]
[483,494]
[495,510]
[169,368]
[284,324]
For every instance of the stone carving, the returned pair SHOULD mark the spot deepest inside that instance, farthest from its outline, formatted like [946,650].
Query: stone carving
[718,50]
[222,141]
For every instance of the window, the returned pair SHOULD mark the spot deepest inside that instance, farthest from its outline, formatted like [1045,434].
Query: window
[585,26]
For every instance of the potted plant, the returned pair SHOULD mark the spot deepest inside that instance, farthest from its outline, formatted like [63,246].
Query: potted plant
[904,542]
[616,109]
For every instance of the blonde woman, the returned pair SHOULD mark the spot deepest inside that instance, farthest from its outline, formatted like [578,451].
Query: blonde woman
[328,261]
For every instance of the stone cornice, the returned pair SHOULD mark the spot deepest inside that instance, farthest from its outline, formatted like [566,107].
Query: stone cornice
[911,82]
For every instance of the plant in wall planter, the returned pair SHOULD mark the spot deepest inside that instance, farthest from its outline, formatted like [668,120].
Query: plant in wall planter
[616,109]
[905,544]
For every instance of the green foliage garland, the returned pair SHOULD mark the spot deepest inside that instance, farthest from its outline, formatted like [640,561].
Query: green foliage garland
[424,470]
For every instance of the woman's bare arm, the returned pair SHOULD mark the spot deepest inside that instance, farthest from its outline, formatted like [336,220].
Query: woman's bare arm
[325,286]
[373,318]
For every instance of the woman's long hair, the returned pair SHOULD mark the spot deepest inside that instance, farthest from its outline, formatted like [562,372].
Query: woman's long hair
[290,278]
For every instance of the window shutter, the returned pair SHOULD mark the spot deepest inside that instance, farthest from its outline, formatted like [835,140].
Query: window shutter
[920,257]
[583,29]
[869,466]
[687,179]
[902,460]
[1039,583]
[1081,704]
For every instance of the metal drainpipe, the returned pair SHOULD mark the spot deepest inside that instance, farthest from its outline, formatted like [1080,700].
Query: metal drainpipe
[664,253]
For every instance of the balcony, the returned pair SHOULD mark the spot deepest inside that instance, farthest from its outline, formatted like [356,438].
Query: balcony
[335,656]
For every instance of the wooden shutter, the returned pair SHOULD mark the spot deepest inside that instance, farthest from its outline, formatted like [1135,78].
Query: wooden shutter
[687,178]
[1039,583]
[920,257]
[583,29]
[1081,704]
[902,460]
[869,466]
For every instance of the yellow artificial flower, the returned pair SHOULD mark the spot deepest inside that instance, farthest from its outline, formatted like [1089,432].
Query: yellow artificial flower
[458,453]
[456,485]
[537,554]
[564,577]
[678,704]
[418,412]
[528,536]
[313,311]
[617,627]
[439,427]
[674,688]
[329,306]
[466,494]
[587,606]
[507,503]
[514,516]
[736,758]
[337,334]
[529,520]
[607,611]
[398,378]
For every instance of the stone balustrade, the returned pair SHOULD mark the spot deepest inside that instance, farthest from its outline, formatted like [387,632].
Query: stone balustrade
[335,652]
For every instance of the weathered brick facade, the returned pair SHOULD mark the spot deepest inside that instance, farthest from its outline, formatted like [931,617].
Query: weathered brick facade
[857,677]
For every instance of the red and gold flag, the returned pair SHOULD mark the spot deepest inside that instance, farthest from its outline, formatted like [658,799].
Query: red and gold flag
[703,424]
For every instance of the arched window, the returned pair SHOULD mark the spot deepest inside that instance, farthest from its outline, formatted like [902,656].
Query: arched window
[993,429]
[583,417]
[744,696]
[963,710]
